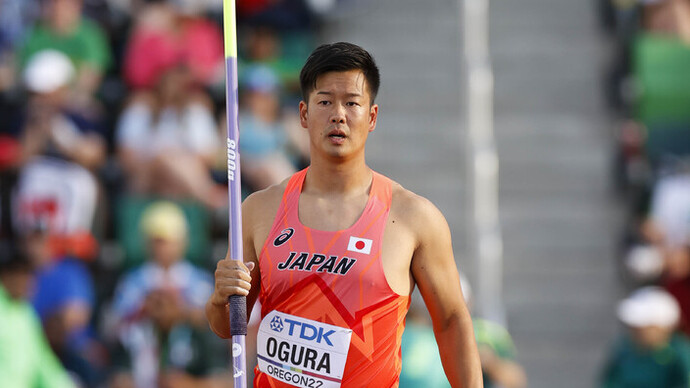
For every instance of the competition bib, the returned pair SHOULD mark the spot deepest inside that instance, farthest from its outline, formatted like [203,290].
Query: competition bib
[302,352]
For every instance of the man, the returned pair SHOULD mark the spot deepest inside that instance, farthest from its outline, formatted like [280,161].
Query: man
[334,288]
[163,339]
[26,359]
[64,29]
[650,354]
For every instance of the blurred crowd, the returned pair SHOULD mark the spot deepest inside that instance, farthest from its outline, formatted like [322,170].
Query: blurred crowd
[112,178]
[113,198]
[647,86]
[113,191]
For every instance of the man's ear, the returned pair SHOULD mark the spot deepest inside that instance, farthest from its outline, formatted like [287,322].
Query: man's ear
[303,113]
[373,116]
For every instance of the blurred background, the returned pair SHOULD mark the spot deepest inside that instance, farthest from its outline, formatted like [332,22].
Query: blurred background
[113,199]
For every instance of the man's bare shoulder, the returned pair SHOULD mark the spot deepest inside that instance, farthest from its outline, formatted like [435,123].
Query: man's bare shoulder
[264,203]
[413,210]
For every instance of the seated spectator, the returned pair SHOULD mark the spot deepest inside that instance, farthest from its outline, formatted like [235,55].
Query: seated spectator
[59,151]
[264,141]
[158,313]
[649,354]
[167,141]
[51,127]
[26,359]
[663,255]
[164,37]
[262,46]
[64,300]
[65,29]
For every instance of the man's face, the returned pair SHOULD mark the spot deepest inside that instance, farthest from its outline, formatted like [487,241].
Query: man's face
[166,251]
[652,337]
[339,114]
[63,14]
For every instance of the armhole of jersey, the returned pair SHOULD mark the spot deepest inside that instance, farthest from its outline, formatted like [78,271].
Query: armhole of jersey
[295,183]
[382,189]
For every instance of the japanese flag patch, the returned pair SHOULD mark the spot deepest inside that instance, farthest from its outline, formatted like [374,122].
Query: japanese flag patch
[360,245]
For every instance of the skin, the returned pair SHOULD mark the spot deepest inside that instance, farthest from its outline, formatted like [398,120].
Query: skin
[173,172]
[87,150]
[417,243]
[165,306]
[63,17]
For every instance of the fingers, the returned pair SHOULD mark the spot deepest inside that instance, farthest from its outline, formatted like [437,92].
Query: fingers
[232,277]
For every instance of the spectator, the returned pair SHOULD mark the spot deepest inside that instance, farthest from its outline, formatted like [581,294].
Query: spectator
[64,29]
[26,359]
[264,142]
[158,313]
[667,231]
[64,300]
[649,354]
[167,141]
[59,148]
[163,37]
[51,127]
[262,46]
[668,226]
[670,17]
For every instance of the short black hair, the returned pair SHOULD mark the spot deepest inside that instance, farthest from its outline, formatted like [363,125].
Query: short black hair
[13,259]
[340,56]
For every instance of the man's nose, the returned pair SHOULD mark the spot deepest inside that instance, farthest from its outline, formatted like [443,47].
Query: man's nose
[338,115]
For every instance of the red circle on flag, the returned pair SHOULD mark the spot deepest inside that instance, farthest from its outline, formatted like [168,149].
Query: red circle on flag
[360,244]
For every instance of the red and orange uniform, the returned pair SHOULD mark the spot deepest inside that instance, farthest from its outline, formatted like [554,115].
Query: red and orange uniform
[321,290]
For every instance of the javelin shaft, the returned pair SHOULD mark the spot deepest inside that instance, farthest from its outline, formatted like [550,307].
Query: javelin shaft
[238,304]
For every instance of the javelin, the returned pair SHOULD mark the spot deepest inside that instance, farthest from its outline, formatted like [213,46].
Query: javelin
[237,303]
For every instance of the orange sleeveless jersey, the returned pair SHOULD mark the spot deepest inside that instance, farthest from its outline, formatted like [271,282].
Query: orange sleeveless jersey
[335,278]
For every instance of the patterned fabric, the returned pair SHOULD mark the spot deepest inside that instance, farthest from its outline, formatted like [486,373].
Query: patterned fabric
[337,278]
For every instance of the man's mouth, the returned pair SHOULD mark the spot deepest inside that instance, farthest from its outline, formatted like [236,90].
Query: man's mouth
[337,134]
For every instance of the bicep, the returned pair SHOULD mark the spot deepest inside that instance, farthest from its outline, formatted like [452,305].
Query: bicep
[434,270]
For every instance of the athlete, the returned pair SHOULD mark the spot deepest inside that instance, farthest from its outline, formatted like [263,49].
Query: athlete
[334,252]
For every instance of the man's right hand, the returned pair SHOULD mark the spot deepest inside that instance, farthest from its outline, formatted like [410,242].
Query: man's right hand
[232,278]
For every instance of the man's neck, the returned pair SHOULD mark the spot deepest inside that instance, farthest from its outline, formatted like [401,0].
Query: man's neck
[349,177]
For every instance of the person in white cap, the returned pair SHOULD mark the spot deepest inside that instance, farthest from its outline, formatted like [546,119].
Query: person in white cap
[650,354]
[64,28]
[51,128]
[60,150]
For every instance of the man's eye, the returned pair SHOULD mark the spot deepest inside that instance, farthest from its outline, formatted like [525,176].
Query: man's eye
[352,103]
[324,102]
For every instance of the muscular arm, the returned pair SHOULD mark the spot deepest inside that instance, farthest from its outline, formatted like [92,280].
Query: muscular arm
[434,271]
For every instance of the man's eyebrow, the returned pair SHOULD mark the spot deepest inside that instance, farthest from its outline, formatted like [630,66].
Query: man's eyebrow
[346,94]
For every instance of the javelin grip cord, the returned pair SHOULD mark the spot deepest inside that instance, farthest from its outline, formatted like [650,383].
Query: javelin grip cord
[238,312]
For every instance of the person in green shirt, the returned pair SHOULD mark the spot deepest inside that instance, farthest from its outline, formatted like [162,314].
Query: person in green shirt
[64,29]
[26,359]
